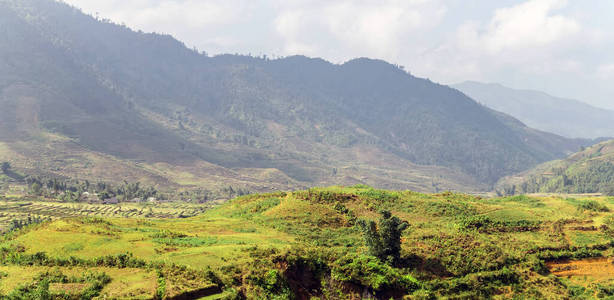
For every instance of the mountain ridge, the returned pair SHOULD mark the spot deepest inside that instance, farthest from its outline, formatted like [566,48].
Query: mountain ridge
[537,109]
[148,101]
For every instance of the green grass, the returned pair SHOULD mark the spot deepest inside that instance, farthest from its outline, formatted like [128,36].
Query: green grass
[314,230]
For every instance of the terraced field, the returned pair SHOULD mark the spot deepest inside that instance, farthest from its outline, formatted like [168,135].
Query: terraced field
[308,244]
[126,283]
[22,210]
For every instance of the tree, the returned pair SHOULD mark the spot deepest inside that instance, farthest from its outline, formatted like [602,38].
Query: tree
[36,189]
[384,240]
[5,167]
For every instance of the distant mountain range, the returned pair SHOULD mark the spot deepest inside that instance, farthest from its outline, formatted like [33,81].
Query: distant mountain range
[86,98]
[565,117]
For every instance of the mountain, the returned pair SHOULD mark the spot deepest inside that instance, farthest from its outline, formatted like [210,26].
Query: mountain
[87,98]
[566,117]
[588,171]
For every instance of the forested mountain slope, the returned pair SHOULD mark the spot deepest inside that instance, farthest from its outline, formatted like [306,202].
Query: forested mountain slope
[588,171]
[539,110]
[83,96]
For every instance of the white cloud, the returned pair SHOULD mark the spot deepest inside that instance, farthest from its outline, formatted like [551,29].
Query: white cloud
[161,13]
[530,24]
[527,37]
[606,72]
[196,22]
[344,29]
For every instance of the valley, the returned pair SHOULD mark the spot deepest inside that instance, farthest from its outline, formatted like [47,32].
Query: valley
[136,166]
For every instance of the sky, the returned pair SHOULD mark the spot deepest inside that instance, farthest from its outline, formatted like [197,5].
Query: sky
[562,47]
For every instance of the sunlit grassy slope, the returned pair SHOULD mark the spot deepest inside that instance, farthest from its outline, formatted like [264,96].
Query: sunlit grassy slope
[306,243]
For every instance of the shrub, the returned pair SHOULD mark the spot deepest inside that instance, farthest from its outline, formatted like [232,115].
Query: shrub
[486,224]
[592,205]
[370,272]
[39,288]
[384,241]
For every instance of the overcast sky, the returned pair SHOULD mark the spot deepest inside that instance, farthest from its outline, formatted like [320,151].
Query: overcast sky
[565,48]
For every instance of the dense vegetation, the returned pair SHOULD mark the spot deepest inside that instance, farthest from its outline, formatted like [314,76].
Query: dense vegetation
[114,101]
[329,243]
[588,171]
[74,190]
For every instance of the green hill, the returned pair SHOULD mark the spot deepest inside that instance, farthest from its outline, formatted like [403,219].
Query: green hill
[304,244]
[81,97]
[588,171]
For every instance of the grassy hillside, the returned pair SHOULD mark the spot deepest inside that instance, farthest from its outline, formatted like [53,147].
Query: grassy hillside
[81,94]
[308,244]
[588,171]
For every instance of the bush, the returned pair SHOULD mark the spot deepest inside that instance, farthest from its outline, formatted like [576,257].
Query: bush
[480,285]
[384,241]
[486,224]
[592,205]
[39,288]
[370,272]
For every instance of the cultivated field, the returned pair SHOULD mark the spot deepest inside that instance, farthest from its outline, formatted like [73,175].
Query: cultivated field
[19,209]
[307,243]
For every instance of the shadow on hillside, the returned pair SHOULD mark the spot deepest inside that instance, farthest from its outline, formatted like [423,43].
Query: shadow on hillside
[428,265]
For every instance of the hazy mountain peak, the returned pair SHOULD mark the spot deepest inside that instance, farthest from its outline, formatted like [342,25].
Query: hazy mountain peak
[566,117]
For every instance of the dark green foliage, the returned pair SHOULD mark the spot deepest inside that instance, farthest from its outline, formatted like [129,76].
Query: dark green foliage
[578,292]
[161,289]
[371,272]
[381,196]
[486,224]
[384,240]
[255,208]
[522,199]
[35,189]
[299,272]
[592,205]
[590,171]
[476,285]
[39,288]
[348,214]
[323,196]
[70,190]
[573,252]
[446,208]
[16,256]
[604,291]
[191,241]
[273,285]
[167,234]
[275,274]
[17,224]
[5,167]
